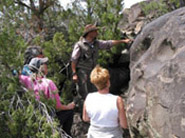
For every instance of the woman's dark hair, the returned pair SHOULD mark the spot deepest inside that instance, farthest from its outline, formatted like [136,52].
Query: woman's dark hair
[31,52]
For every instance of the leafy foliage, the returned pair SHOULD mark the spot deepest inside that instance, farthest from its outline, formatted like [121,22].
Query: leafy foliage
[23,116]
[105,13]
[161,7]
[158,8]
[20,114]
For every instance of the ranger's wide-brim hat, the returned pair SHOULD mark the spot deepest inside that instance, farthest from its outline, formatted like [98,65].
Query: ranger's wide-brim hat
[89,28]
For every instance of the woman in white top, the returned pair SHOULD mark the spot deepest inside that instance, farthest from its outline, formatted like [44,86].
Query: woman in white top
[105,111]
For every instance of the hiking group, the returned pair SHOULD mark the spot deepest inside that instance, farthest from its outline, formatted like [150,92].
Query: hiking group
[104,111]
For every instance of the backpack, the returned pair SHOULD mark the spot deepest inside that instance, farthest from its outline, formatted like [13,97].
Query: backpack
[26,70]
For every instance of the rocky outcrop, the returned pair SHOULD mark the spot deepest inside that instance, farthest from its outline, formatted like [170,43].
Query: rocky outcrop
[79,128]
[156,100]
[134,18]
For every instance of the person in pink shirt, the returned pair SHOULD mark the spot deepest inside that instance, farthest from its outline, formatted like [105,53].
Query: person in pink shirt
[43,86]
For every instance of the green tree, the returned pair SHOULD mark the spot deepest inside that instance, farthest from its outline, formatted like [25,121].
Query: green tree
[20,114]
[56,30]
[36,10]
[106,13]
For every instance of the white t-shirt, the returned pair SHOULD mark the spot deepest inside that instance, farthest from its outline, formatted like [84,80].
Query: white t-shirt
[102,109]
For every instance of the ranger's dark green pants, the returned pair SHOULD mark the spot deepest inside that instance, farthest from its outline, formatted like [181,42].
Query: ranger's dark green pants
[85,86]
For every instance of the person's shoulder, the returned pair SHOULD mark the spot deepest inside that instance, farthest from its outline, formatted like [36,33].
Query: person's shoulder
[47,80]
[49,83]
[21,76]
[81,40]
[91,94]
[77,44]
[119,100]
[97,40]
[113,95]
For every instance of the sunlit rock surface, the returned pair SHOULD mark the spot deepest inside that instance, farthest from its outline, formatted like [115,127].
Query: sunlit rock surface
[156,100]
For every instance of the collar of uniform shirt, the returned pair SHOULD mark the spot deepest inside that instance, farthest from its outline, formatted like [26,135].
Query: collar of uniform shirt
[88,43]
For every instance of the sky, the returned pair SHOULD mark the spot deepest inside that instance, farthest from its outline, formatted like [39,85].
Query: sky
[128,3]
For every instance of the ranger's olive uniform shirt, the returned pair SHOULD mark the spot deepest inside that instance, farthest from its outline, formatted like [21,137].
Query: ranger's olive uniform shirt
[85,54]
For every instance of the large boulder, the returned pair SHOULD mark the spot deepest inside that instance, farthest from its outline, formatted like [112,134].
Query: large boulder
[156,95]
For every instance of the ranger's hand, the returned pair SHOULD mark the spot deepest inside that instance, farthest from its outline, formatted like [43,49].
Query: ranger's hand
[128,40]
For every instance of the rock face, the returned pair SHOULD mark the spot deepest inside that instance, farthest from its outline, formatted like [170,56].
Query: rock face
[79,128]
[156,100]
[134,18]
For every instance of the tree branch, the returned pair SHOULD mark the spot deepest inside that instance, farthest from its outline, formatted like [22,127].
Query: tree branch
[46,5]
[22,4]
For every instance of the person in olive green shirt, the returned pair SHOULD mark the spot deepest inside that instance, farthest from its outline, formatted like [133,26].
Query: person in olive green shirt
[84,57]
